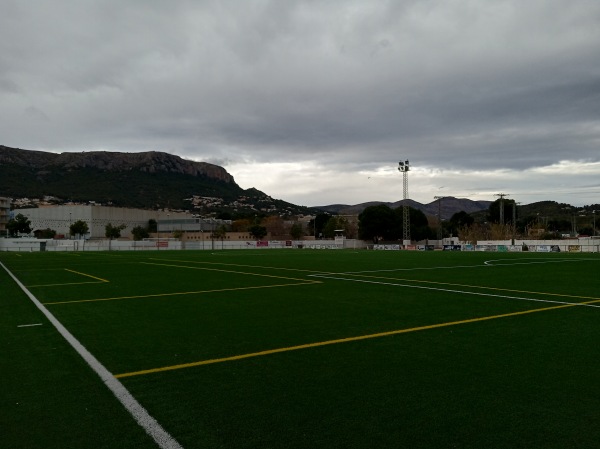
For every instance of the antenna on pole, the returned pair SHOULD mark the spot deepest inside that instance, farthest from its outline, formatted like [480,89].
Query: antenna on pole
[404,167]
[501,195]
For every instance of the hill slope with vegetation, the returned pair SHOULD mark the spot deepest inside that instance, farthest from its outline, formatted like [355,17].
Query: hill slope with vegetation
[147,180]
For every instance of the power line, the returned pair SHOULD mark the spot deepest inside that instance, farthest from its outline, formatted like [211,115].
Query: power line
[501,195]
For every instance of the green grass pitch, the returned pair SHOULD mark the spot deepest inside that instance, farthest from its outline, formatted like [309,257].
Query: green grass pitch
[304,349]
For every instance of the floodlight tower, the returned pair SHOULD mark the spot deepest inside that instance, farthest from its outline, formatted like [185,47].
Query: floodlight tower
[439,231]
[403,167]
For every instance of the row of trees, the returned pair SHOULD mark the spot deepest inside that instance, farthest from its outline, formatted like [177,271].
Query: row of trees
[502,221]
[544,220]
[80,228]
[376,223]
[381,222]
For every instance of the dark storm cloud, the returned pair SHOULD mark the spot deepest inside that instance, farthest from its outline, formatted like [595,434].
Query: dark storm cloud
[347,85]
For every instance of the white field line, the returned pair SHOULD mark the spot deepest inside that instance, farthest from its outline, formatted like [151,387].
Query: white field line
[30,325]
[447,290]
[487,263]
[139,413]
[417,269]
[510,262]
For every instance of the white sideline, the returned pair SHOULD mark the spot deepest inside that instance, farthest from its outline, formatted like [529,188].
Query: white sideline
[140,414]
[366,281]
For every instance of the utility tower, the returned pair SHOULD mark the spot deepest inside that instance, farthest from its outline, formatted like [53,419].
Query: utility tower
[514,221]
[501,195]
[439,231]
[403,167]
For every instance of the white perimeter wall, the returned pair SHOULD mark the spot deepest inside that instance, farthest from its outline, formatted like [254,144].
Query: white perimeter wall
[31,245]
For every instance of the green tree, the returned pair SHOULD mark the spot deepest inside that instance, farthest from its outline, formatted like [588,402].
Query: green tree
[378,223]
[419,225]
[220,233]
[241,225]
[296,231]
[334,223]
[257,231]
[19,225]
[317,224]
[458,221]
[45,233]
[113,232]
[79,228]
[224,216]
[140,233]
[152,225]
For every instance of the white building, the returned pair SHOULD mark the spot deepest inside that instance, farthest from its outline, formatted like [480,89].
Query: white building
[60,218]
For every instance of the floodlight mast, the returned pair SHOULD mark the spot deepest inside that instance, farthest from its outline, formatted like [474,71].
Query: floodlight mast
[439,231]
[404,167]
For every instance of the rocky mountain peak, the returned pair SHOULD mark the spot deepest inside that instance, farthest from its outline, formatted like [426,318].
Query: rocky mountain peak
[148,162]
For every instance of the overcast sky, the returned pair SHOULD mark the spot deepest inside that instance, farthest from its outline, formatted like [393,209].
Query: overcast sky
[315,102]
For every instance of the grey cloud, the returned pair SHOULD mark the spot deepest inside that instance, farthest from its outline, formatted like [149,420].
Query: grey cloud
[349,84]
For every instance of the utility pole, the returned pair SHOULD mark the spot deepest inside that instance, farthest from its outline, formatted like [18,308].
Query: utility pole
[439,233]
[514,221]
[501,195]
[403,167]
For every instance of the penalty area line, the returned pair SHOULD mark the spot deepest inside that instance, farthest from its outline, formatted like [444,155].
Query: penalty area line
[87,275]
[139,413]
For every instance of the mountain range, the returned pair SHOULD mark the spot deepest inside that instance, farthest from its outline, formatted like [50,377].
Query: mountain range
[446,207]
[157,180]
[148,180]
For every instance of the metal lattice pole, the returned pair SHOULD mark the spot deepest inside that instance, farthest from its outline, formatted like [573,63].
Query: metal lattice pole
[439,230]
[404,168]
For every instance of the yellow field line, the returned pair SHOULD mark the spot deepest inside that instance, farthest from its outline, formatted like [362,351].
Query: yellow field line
[87,275]
[66,283]
[471,286]
[98,281]
[307,282]
[338,341]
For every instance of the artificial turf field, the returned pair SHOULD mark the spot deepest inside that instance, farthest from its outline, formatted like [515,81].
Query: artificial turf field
[304,349]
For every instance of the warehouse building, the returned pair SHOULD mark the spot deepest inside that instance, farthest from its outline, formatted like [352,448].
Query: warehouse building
[60,218]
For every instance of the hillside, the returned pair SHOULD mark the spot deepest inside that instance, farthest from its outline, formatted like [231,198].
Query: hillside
[143,180]
[155,180]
